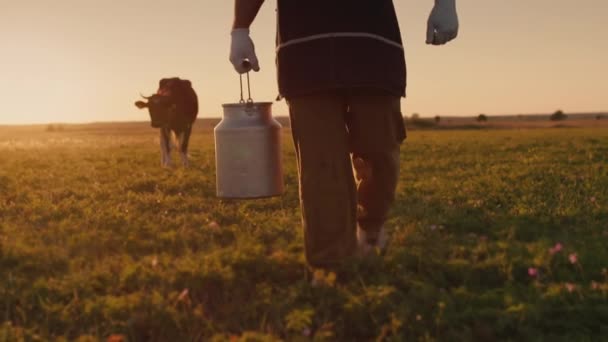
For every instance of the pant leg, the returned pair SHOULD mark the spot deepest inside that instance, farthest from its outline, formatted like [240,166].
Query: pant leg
[376,131]
[327,186]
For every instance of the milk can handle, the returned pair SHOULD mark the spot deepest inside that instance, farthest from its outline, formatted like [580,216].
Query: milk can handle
[247,65]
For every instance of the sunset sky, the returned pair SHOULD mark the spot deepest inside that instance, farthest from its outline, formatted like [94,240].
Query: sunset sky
[88,60]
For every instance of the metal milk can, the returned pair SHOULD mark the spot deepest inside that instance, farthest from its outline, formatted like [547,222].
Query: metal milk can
[248,151]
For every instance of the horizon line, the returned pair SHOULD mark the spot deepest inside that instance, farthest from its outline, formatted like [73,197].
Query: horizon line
[38,123]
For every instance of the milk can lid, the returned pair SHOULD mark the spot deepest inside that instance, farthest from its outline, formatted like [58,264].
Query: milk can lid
[246,104]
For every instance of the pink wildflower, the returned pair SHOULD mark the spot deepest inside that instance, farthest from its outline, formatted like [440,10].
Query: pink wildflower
[306,332]
[532,272]
[595,285]
[573,258]
[557,248]
[570,287]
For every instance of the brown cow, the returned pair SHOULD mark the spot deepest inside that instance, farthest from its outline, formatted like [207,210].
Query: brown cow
[173,109]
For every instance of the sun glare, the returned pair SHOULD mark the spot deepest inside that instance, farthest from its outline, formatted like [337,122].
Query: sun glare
[48,82]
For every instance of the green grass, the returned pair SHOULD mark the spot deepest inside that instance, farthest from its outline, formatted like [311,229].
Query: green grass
[97,240]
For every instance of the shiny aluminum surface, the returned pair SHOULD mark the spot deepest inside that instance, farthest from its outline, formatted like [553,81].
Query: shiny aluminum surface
[248,152]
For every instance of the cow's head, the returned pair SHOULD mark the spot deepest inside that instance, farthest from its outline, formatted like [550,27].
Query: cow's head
[159,107]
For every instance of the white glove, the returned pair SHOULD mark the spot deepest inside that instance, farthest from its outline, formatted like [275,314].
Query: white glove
[242,50]
[442,23]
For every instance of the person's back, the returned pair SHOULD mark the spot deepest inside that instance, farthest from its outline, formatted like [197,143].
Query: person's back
[326,45]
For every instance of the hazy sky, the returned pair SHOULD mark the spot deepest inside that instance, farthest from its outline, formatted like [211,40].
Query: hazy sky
[87,60]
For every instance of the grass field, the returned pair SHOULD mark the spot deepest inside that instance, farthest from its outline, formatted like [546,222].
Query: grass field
[496,235]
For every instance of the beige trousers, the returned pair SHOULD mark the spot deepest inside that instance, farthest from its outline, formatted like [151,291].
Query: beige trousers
[332,135]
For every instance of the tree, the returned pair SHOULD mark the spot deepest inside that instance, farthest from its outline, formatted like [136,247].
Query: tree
[482,118]
[558,116]
[55,128]
[598,117]
[415,116]
[437,119]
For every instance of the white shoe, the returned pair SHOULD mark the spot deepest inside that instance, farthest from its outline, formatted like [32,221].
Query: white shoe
[367,245]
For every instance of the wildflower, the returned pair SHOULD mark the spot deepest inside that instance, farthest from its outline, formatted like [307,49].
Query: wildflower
[557,248]
[592,199]
[214,225]
[595,285]
[573,258]
[418,318]
[532,272]
[570,287]
[154,261]
[306,332]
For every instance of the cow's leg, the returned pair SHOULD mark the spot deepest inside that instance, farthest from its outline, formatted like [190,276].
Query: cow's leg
[184,140]
[165,147]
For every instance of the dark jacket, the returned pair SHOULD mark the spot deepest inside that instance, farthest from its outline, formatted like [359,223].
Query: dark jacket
[325,45]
